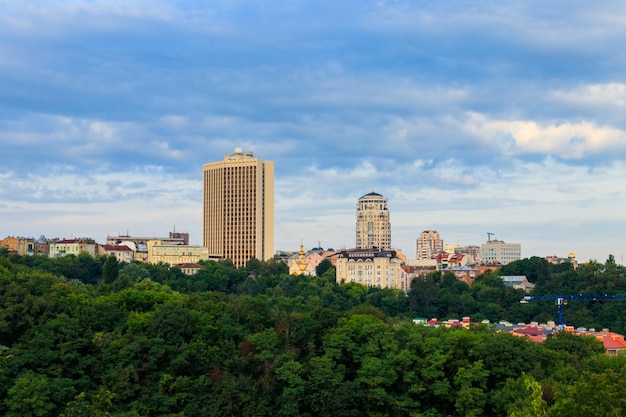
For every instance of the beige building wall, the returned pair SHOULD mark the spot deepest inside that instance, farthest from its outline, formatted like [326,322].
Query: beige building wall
[238,208]
[19,245]
[373,228]
[172,254]
[498,251]
[370,267]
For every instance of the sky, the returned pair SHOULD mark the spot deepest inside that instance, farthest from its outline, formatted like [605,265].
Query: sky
[469,117]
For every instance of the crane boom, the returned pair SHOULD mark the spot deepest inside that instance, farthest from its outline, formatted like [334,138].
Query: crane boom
[562,299]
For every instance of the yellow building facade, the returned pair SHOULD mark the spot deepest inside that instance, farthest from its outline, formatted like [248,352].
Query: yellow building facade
[371,267]
[238,208]
[19,245]
[174,254]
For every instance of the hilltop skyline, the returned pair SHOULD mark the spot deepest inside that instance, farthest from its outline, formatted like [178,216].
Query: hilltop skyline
[506,118]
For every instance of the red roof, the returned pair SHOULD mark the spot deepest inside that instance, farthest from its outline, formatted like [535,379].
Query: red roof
[457,257]
[530,331]
[442,256]
[66,241]
[190,265]
[613,342]
[116,248]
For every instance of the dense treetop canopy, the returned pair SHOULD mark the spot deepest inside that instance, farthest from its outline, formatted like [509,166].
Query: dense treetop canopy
[85,336]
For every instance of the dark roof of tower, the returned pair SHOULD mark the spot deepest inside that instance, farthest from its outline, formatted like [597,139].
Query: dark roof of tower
[372,194]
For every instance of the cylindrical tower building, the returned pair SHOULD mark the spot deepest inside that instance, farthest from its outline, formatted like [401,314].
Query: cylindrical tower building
[373,229]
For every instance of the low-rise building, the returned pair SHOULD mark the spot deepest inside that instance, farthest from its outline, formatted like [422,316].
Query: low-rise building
[174,254]
[614,344]
[64,247]
[465,273]
[556,260]
[471,250]
[19,245]
[518,282]
[189,268]
[371,267]
[139,244]
[122,253]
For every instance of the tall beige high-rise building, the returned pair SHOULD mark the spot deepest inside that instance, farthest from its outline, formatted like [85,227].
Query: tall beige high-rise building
[239,208]
[373,229]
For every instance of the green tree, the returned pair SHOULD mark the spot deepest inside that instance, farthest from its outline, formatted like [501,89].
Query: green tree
[110,271]
[601,395]
[532,404]
[322,267]
[580,347]
[30,396]
[134,272]
[96,405]
[424,295]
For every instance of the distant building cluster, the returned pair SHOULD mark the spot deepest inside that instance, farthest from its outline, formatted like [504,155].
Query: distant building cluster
[173,250]
[613,343]
[238,224]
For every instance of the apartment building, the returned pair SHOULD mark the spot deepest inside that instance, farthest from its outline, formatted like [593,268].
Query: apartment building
[373,228]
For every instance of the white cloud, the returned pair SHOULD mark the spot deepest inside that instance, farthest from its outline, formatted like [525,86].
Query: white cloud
[567,139]
[603,96]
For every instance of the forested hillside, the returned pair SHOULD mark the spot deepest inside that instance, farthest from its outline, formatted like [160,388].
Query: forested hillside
[89,337]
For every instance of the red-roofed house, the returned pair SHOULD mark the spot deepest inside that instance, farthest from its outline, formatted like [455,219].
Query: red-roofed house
[407,274]
[442,260]
[458,259]
[121,252]
[190,268]
[613,343]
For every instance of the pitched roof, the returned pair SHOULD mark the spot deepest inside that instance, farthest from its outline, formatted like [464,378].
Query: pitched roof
[190,265]
[613,342]
[116,248]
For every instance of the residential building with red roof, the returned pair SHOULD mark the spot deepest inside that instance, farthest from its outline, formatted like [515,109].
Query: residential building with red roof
[63,247]
[121,252]
[189,268]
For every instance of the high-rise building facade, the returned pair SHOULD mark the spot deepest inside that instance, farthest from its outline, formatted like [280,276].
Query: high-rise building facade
[428,245]
[238,220]
[373,229]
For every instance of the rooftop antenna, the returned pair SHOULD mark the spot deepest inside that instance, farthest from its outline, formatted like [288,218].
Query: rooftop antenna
[489,236]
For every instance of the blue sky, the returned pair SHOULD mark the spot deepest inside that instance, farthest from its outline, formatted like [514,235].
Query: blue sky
[469,117]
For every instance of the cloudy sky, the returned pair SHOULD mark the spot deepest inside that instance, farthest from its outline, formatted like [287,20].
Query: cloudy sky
[469,117]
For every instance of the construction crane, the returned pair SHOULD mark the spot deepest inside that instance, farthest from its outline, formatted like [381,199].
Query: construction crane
[489,236]
[561,301]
